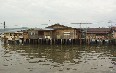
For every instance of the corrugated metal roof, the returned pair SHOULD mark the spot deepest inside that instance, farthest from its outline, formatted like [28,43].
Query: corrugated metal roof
[98,30]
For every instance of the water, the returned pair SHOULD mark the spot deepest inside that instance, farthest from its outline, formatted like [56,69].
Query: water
[57,59]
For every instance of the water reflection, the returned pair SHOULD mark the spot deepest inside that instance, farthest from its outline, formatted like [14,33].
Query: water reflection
[58,58]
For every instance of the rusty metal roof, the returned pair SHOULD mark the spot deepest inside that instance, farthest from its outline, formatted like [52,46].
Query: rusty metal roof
[98,30]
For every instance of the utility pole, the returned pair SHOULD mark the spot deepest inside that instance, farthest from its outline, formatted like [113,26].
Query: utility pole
[4,32]
[4,26]
[80,30]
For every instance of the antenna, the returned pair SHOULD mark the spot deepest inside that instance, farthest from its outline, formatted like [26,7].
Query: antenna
[80,29]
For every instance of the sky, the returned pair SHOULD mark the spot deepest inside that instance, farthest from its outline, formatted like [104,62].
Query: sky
[36,13]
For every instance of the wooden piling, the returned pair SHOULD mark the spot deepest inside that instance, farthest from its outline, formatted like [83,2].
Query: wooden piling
[51,41]
[60,41]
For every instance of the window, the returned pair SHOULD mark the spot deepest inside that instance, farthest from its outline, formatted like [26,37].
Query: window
[31,33]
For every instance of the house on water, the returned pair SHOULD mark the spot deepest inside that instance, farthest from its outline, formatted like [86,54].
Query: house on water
[97,35]
[54,34]
[64,34]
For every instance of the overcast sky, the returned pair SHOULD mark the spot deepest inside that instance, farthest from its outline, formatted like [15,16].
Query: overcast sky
[34,13]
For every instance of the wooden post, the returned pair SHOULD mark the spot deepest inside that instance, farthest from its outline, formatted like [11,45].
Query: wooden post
[28,41]
[54,41]
[80,40]
[61,41]
[51,41]
[66,41]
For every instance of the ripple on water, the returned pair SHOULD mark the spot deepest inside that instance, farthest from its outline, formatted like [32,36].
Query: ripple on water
[62,59]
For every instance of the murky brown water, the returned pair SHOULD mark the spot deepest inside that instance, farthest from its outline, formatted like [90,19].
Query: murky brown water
[57,59]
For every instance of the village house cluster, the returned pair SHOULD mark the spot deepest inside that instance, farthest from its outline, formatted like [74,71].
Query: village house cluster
[60,34]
